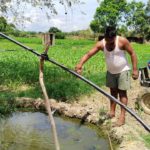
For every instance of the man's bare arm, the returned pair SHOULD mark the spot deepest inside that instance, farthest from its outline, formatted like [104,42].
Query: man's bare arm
[88,55]
[129,49]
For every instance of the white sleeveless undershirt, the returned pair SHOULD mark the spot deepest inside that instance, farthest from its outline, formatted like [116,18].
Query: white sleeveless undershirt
[116,61]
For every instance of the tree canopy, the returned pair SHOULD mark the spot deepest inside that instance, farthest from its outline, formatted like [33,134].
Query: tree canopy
[147,28]
[132,16]
[136,20]
[110,12]
[54,30]
[4,26]
[58,33]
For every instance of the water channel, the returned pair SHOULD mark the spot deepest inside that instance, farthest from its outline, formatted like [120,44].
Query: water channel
[31,131]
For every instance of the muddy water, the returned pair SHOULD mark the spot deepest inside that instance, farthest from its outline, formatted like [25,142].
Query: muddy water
[31,131]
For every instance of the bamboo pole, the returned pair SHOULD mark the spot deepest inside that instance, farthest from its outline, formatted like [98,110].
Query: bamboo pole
[47,102]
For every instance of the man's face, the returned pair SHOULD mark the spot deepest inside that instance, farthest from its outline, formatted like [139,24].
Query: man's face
[110,40]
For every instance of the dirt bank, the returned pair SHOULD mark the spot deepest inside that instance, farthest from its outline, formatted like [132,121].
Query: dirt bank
[87,108]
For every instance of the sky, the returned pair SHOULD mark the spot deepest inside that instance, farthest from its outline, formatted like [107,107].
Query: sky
[77,18]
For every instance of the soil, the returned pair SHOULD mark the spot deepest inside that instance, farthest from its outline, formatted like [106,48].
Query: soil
[91,109]
[129,136]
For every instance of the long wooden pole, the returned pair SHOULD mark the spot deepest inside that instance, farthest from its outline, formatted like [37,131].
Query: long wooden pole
[47,102]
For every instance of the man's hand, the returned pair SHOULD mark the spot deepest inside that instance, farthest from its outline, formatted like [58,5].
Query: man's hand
[135,74]
[78,69]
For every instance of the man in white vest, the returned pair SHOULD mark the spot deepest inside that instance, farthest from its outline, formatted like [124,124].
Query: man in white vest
[118,69]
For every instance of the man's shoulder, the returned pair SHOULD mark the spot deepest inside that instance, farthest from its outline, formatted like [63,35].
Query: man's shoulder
[100,44]
[123,40]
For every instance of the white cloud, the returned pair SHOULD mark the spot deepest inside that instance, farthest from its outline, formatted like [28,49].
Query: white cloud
[57,22]
[74,20]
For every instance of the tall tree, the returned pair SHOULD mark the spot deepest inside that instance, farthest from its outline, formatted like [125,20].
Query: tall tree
[110,12]
[147,28]
[95,26]
[4,26]
[54,30]
[136,20]
[148,8]
[130,17]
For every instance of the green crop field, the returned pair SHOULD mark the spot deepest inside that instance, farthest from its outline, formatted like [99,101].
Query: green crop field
[19,69]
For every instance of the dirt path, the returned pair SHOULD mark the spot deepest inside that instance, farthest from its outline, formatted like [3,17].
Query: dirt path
[131,133]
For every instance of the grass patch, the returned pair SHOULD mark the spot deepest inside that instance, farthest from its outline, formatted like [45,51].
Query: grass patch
[147,140]
[7,102]
[21,67]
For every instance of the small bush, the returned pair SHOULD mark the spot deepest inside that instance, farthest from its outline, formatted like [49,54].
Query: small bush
[60,35]
[147,140]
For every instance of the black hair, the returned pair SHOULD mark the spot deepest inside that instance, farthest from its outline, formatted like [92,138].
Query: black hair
[110,31]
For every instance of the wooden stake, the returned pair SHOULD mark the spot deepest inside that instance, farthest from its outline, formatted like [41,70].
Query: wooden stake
[47,102]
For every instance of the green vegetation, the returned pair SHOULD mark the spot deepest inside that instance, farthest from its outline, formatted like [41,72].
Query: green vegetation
[10,29]
[110,12]
[81,34]
[20,69]
[7,103]
[130,17]
[147,140]
[4,26]
[58,33]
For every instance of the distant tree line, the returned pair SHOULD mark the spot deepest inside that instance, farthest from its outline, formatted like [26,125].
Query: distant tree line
[81,34]
[11,29]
